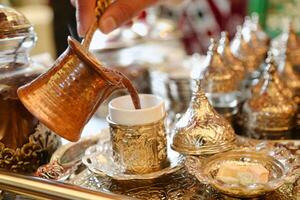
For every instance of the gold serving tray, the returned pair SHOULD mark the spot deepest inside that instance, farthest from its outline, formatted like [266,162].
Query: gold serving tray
[179,185]
[80,183]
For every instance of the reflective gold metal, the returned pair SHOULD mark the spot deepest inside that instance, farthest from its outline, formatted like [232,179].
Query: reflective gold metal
[241,49]
[28,157]
[271,107]
[139,149]
[183,185]
[202,130]
[218,78]
[260,34]
[255,39]
[277,166]
[229,59]
[42,189]
[291,72]
[291,77]
[293,47]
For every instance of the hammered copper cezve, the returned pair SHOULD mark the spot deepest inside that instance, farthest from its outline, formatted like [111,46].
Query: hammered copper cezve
[67,95]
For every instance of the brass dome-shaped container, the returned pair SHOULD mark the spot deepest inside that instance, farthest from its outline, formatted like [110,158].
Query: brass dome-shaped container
[243,51]
[292,78]
[201,130]
[255,37]
[293,47]
[261,35]
[229,59]
[271,109]
[217,77]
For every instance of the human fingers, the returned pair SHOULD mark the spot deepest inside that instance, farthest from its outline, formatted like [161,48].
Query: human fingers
[73,2]
[85,14]
[121,12]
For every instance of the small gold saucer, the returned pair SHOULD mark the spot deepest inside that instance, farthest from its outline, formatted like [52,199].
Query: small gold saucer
[279,171]
[99,159]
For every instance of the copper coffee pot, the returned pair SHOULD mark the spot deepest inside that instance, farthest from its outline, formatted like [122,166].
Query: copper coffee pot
[65,97]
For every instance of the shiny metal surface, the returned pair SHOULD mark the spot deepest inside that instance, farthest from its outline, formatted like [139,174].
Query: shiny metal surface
[139,149]
[67,159]
[292,46]
[278,170]
[65,97]
[24,144]
[217,77]
[254,37]
[100,159]
[201,130]
[291,60]
[183,185]
[291,77]
[29,156]
[241,49]
[45,189]
[271,107]
[260,33]
[229,59]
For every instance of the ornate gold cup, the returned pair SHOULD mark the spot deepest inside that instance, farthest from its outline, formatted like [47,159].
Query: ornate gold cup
[139,149]
[138,137]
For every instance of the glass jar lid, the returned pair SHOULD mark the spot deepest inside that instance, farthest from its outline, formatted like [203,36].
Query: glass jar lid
[13,23]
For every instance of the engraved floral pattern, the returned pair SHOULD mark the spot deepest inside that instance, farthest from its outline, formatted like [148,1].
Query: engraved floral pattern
[140,149]
[271,107]
[202,130]
[31,155]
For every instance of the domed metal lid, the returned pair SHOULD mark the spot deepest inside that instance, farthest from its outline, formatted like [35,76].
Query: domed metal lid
[229,59]
[217,78]
[242,50]
[201,130]
[271,107]
[12,23]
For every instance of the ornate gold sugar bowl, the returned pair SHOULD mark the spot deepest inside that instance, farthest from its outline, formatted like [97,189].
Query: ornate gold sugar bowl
[201,130]
[270,111]
[25,144]
[220,82]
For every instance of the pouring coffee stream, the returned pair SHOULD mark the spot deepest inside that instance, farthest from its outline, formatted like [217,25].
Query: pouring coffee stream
[66,97]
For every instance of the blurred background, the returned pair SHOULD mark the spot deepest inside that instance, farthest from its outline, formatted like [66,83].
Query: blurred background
[198,20]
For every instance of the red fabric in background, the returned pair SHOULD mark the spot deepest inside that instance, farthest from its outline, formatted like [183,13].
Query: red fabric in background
[215,16]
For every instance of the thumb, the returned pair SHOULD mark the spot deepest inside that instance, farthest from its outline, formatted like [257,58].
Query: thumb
[85,14]
[121,12]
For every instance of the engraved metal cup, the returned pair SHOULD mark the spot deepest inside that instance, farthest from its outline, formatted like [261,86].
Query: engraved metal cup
[67,95]
[139,148]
